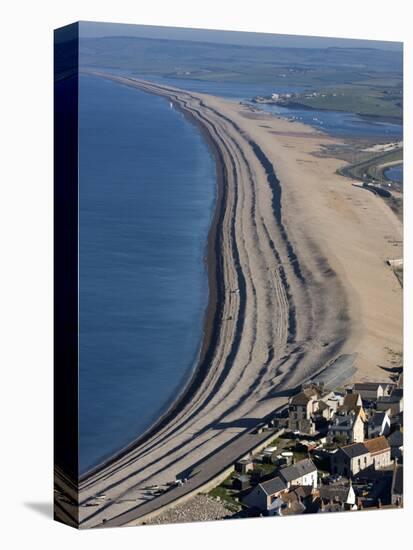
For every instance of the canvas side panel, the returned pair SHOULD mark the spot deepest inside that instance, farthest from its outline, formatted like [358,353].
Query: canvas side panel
[66,463]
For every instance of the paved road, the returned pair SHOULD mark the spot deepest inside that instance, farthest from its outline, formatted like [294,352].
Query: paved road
[201,474]
[265,342]
[333,376]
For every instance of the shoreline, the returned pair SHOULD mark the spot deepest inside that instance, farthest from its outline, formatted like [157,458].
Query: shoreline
[211,324]
[296,105]
[288,308]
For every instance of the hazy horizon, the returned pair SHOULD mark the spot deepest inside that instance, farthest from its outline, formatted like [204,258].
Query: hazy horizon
[91,29]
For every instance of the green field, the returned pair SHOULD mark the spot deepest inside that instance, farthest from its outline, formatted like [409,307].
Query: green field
[362,80]
[371,100]
[212,60]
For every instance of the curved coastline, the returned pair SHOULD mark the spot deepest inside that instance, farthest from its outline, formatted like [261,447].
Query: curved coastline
[213,309]
[277,350]
[212,321]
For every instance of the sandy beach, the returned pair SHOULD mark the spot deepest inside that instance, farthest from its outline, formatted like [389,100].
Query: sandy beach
[298,277]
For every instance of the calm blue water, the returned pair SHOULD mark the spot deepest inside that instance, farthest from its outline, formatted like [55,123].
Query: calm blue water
[395,173]
[146,192]
[338,123]
[230,90]
[335,123]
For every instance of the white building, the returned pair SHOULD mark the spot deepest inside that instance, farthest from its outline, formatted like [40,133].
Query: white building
[303,472]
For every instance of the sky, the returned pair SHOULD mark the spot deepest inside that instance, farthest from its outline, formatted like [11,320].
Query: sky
[93,29]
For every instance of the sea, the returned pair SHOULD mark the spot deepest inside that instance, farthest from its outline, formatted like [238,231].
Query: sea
[395,173]
[147,188]
[335,123]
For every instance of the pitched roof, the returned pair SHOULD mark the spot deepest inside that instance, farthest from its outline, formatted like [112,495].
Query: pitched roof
[304,396]
[369,386]
[378,418]
[390,398]
[395,439]
[351,401]
[293,502]
[297,470]
[377,445]
[354,450]
[301,398]
[274,485]
[303,491]
[346,421]
[339,493]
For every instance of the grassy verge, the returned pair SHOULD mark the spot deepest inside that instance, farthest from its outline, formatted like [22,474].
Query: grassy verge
[226,494]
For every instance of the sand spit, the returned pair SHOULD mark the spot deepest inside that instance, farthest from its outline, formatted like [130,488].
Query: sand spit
[297,276]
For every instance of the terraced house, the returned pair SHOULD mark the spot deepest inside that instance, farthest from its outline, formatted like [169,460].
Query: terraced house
[380,452]
[348,427]
[301,409]
[303,472]
[350,460]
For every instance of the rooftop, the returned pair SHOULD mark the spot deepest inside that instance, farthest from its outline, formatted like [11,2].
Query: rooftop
[378,418]
[346,420]
[274,485]
[393,398]
[297,470]
[354,450]
[245,461]
[301,398]
[293,503]
[303,491]
[338,493]
[351,401]
[377,445]
[395,439]
[369,386]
